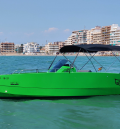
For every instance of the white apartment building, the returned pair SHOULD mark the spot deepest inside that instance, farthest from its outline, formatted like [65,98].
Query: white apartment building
[105,35]
[79,37]
[98,35]
[31,48]
[69,40]
[94,35]
[90,36]
[115,34]
[51,48]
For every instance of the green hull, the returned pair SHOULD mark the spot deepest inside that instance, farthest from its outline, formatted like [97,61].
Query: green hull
[59,84]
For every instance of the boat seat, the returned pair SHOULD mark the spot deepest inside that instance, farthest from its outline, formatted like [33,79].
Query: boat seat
[66,65]
[84,71]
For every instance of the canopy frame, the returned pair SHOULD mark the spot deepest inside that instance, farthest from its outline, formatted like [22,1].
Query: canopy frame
[89,49]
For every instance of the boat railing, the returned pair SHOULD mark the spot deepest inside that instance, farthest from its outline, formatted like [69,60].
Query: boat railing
[33,70]
[30,70]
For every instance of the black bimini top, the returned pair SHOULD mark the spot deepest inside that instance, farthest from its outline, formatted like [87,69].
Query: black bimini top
[89,48]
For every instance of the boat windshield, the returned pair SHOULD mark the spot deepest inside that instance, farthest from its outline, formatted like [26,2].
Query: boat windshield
[58,65]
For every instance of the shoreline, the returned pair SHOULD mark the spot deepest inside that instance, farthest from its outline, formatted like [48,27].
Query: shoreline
[51,55]
[60,54]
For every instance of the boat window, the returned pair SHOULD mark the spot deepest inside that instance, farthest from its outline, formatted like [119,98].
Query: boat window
[59,64]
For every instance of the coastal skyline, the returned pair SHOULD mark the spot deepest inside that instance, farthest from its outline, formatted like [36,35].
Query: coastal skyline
[50,21]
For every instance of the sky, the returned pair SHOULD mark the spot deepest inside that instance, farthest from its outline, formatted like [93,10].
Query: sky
[44,21]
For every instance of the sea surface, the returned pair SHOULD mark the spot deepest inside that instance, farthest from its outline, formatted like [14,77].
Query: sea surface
[98,112]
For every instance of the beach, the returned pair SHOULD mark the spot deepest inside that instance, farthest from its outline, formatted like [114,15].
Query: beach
[66,54]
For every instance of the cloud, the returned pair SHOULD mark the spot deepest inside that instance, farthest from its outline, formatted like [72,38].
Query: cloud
[1,33]
[67,30]
[51,30]
[29,34]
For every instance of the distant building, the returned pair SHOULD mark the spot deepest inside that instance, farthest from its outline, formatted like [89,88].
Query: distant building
[42,50]
[90,36]
[69,40]
[31,48]
[105,35]
[115,34]
[51,48]
[77,37]
[94,35]
[98,35]
[7,48]
[60,43]
[19,48]
[56,43]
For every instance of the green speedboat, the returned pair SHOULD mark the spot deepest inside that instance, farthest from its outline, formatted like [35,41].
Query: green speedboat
[63,79]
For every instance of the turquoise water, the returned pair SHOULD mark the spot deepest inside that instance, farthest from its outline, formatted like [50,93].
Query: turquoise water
[98,112]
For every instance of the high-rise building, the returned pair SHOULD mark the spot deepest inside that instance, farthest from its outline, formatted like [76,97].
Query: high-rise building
[94,35]
[90,36]
[115,34]
[105,35]
[79,37]
[69,40]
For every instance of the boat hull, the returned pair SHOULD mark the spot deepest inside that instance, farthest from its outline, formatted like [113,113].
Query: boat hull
[59,84]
